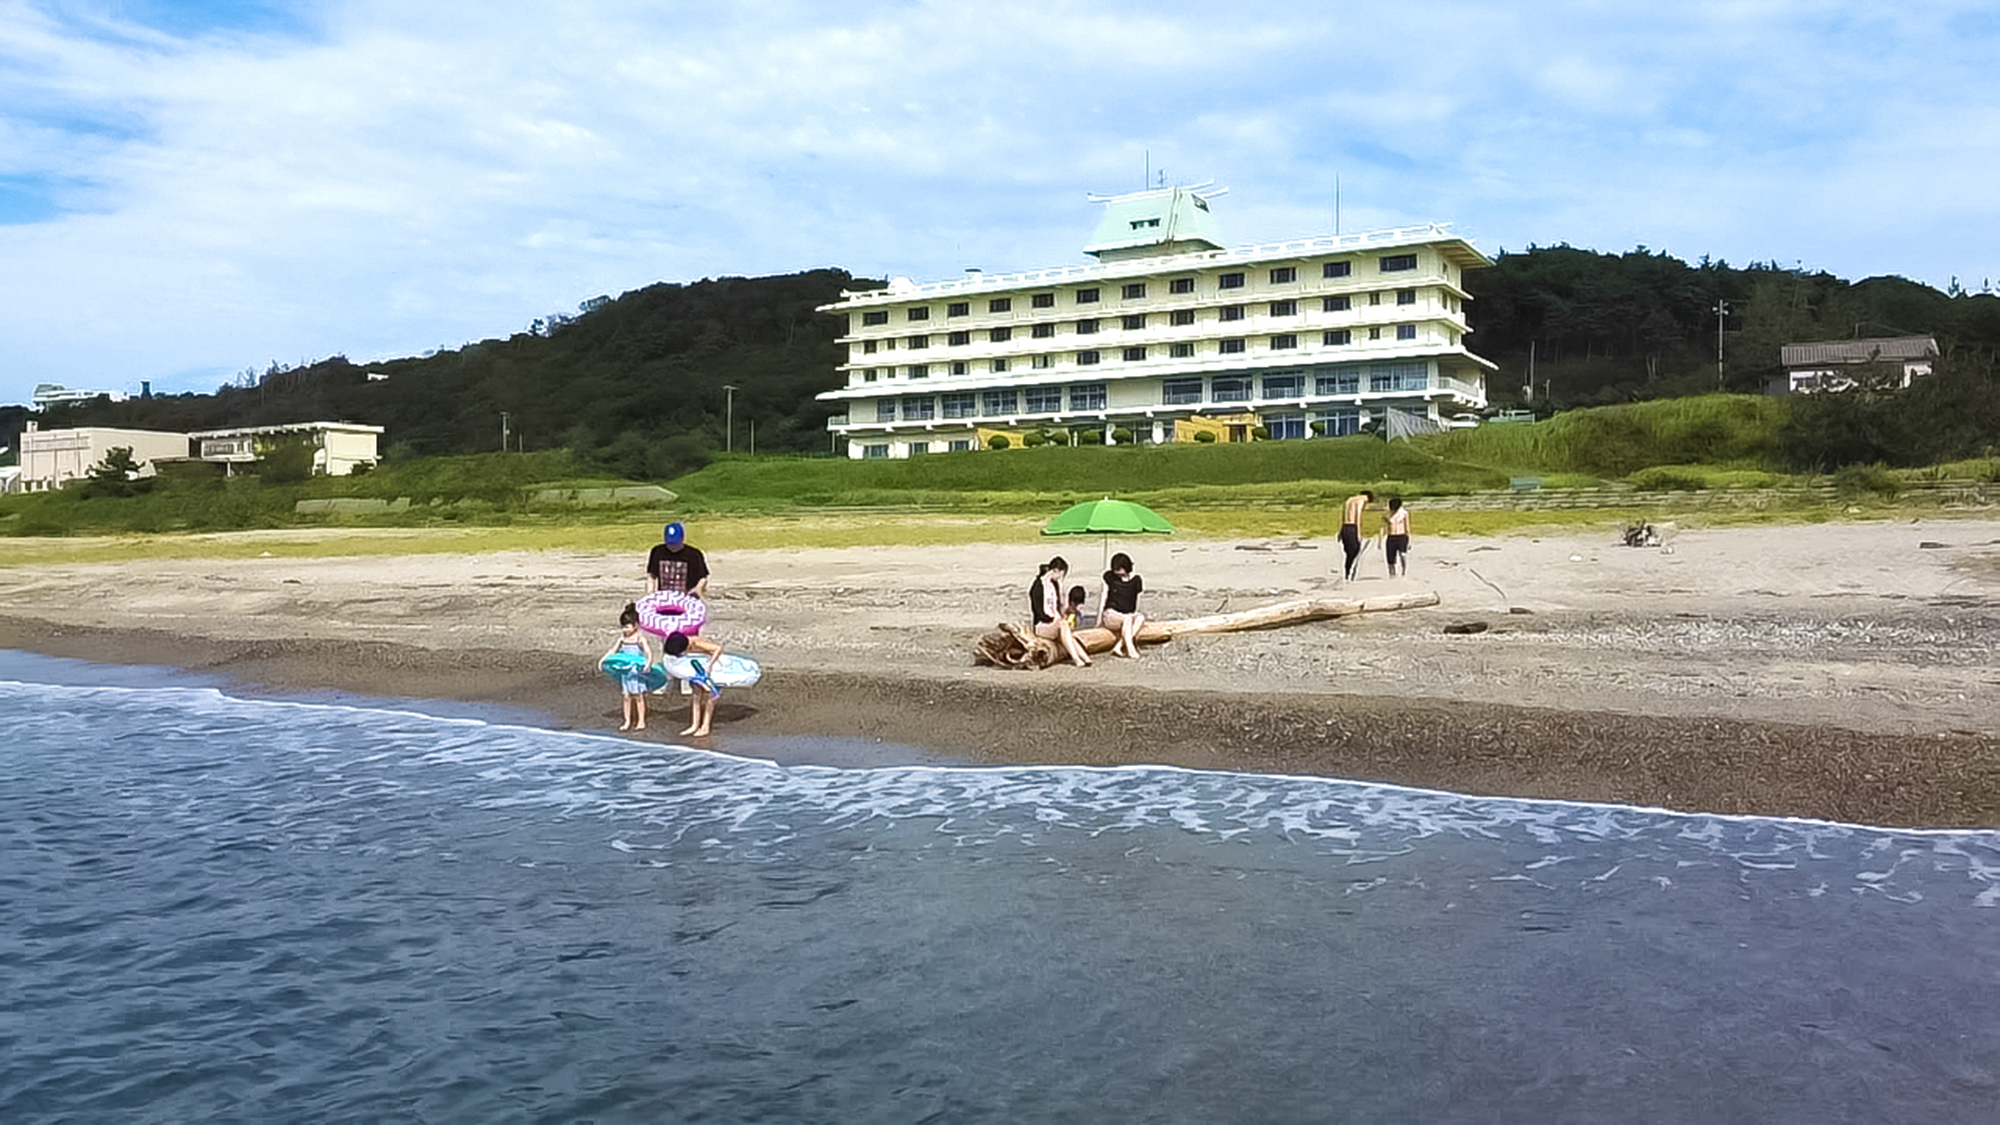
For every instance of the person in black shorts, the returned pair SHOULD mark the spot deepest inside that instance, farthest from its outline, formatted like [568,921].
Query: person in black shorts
[1118,605]
[1350,528]
[1397,544]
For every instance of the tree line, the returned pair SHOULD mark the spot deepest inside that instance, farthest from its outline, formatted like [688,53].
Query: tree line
[636,385]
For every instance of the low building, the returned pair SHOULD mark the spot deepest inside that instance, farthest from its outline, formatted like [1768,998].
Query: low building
[52,458]
[1839,365]
[338,447]
[1165,336]
[55,394]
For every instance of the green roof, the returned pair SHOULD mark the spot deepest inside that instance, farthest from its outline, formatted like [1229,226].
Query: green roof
[1161,221]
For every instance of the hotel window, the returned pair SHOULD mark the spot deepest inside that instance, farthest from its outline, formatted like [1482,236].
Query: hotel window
[1086,396]
[1000,402]
[1230,345]
[1133,355]
[999,335]
[999,364]
[919,409]
[1044,400]
[1341,381]
[958,308]
[1406,296]
[1406,332]
[958,445]
[958,405]
[1134,290]
[1043,300]
[1231,388]
[1399,263]
[1338,338]
[1086,296]
[1287,340]
[1340,423]
[867,347]
[1284,386]
[918,342]
[1229,281]
[1283,427]
[1284,308]
[879,449]
[1087,358]
[1284,275]
[959,339]
[1336,269]
[1375,298]
[958,367]
[1181,316]
[1086,327]
[1042,331]
[885,410]
[918,371]
[1181,285]
[868,376]
[919,448]
[920,314]
[1044,362]
[1132,323]
[889,345]
[1180,392]
[1399,377]
[1375,332]
[1182,350]
[1336,304]
[880,316]
[1000,304]
[1231,312]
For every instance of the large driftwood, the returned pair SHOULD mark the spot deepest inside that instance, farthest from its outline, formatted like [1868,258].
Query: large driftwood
[1012,646]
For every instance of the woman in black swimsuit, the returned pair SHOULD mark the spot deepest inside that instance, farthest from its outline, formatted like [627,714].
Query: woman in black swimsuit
[1118,607]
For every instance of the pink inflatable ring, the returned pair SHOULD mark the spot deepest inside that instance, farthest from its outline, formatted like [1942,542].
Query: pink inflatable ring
[668,612]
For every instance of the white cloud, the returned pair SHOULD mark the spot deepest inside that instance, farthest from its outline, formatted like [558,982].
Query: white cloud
[397,176]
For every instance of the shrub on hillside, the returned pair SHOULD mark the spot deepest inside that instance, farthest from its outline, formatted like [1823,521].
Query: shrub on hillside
[998,441]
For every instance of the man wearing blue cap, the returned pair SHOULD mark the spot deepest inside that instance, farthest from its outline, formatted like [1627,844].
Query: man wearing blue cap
[677,567]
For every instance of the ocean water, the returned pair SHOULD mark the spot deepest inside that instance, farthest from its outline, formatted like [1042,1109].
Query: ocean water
[226,909]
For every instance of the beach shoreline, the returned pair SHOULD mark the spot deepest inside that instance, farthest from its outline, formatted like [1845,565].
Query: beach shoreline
[1839,672]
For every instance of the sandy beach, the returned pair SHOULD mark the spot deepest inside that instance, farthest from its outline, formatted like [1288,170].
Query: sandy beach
[1845,671]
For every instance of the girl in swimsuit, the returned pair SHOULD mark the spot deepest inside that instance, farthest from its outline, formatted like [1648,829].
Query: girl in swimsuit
[1118,605]
[632,685]
[1045,601]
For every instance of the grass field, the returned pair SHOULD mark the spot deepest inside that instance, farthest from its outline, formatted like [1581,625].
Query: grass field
[1256,490]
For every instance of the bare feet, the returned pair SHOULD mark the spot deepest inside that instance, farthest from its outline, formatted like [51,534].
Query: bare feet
[690,730]
[625,726]
[639,726]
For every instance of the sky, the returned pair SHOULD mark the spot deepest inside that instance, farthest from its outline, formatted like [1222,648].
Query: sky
[193,188]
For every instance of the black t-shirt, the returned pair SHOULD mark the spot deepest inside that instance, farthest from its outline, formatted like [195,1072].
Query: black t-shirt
[1122,594]
[678,571]
[1037,601]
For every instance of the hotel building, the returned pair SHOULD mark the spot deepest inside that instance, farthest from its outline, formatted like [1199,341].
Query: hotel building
[1165,336]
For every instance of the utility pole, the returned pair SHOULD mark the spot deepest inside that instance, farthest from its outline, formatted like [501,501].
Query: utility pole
[1721,310]
[729,418]
[503,431]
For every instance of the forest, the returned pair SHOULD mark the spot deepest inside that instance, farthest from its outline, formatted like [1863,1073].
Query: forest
[637,385]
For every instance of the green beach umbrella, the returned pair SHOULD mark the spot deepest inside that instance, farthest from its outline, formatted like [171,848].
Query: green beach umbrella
[1108,517]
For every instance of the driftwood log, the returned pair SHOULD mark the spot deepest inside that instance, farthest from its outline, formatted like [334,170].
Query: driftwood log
[1014,646]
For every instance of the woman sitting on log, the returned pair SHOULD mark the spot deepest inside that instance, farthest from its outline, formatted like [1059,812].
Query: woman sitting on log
[1045,601]
[1118,607]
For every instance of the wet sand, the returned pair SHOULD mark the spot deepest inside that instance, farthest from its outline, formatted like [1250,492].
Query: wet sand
[1840,671]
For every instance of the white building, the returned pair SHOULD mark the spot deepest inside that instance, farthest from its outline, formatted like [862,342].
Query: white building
[337,446]
[51,458]
[55,394]
[1838,365]
[1166,335]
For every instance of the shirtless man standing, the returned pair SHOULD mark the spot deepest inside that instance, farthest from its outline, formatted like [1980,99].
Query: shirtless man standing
[1350,527]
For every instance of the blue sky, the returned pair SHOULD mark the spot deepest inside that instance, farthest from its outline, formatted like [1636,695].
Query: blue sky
[190,189]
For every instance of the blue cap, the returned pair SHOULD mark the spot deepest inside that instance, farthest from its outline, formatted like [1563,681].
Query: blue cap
[675,533]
